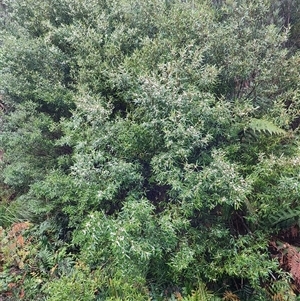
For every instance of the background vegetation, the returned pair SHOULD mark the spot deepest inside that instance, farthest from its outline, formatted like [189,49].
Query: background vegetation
[149,150]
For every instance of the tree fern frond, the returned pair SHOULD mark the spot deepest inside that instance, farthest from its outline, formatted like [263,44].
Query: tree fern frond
[264,126]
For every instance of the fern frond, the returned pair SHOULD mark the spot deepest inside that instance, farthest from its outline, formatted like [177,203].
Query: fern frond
[46,258]
[281,291]
[246,292]
[264,126]
[230,296]
[200,294]
[285,218]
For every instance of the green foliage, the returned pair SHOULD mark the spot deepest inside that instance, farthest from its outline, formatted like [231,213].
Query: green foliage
[155,141]
[276,183]
[285,218]
[79,285]
[130,242]
[264,126]
[250,260]
[28,140]
[31,256]
[201,294]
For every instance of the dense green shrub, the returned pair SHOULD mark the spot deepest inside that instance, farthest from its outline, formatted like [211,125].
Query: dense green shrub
[159,139]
